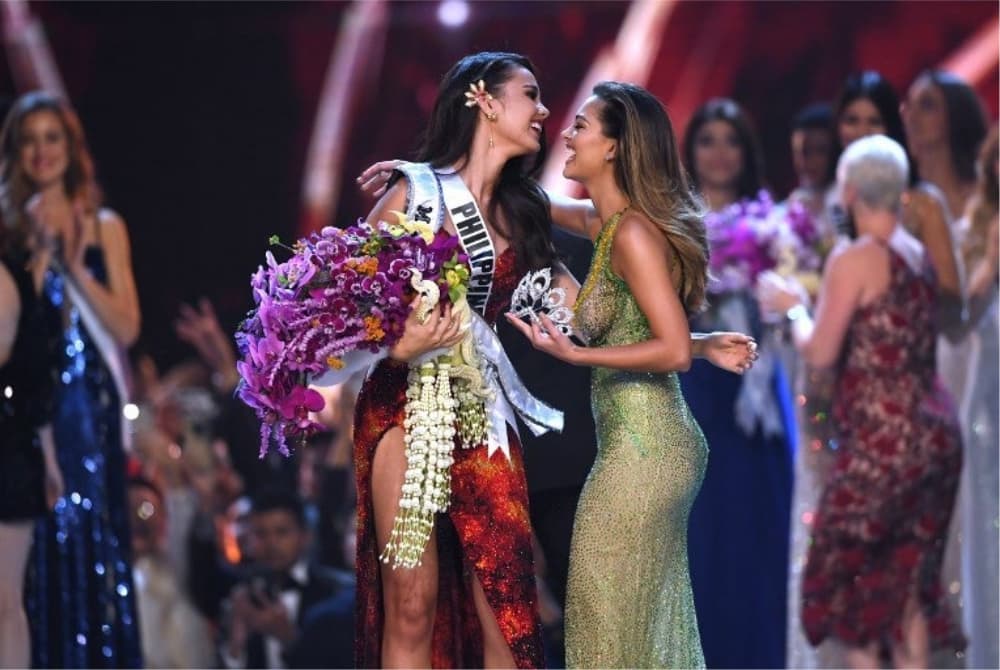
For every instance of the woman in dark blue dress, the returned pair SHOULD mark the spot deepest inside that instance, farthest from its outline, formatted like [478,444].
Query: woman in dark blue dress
[739,525]
[79,596]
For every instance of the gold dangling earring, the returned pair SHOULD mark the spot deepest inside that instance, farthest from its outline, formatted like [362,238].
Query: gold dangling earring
[491,117]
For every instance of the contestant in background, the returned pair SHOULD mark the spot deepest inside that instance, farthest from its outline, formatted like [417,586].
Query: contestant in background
[80,599]
[968,361]
[945,126]
[30,479]
[749,424]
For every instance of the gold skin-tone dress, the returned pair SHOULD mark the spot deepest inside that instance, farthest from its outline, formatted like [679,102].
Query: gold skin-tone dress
[629,600]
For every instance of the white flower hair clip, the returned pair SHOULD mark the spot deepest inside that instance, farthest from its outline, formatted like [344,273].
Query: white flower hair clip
[535,295]
[476,94]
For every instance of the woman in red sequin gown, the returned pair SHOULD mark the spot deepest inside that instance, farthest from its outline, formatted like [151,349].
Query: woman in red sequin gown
[872,576]
[472,601]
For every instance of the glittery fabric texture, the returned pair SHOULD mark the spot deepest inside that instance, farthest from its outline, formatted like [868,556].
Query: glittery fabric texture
[79,596]
[629,601]
[882,520]
[487,530]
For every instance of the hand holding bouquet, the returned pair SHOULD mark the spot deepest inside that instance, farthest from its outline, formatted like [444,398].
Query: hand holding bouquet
[341,298]
[344,299]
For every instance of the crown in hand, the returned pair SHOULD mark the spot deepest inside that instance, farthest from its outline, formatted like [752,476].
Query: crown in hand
[535,295]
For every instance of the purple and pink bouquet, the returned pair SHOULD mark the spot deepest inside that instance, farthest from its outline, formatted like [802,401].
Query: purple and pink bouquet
[343,291]
[752,236]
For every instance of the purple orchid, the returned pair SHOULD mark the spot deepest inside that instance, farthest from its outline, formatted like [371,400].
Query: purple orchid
[749,237]
[341,290]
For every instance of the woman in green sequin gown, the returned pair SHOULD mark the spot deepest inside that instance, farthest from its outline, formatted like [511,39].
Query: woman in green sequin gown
[629,600]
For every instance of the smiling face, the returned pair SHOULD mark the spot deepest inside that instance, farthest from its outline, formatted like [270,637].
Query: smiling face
[520,113]
[718,155]
[860,118]
[589,148]
[43,152]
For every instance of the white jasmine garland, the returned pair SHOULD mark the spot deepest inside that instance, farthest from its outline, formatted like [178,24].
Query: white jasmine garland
[441,394]
[429,426]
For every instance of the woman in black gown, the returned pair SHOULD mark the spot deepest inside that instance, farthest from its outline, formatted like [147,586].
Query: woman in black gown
[30,480]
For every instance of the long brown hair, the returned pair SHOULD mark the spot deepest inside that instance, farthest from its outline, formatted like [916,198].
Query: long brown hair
[966,120]
[16,187]
[986,201]
[751,177]
[650,174]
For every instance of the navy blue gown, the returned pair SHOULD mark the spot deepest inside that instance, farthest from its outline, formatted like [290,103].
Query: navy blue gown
[79,597]
[738,530]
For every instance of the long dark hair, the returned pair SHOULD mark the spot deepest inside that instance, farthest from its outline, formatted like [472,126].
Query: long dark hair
[966,121]
[819,116]
[751,179]
[648,170]
[872,86]
[519,208]
[16,188]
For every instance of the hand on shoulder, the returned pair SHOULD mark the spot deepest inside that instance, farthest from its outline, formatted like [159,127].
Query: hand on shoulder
[394,199]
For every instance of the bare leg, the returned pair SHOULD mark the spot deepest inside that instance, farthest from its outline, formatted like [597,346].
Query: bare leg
[15,643]
[409,595]
[863,658]
[914,649]
[496,652]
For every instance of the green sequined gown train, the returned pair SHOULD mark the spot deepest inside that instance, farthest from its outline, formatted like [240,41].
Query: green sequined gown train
[629,600]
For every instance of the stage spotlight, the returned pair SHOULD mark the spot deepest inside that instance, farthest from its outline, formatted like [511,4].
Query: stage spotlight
[453,13]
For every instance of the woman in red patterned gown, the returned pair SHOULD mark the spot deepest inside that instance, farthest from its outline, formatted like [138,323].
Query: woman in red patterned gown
[472,601]
[872,576]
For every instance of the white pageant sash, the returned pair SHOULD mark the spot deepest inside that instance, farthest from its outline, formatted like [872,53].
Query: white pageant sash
[423,194]
[428,193]
[510,395]
[755,402]
[474,236]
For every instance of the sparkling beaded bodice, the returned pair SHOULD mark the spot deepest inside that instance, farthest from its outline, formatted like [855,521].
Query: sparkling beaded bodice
[606,312]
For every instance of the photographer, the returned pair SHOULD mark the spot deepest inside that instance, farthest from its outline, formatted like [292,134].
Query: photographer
[270,609]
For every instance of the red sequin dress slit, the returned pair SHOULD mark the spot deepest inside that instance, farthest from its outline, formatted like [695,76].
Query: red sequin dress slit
[486,530]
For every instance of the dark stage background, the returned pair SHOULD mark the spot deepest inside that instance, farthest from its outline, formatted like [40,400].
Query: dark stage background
[200,114]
